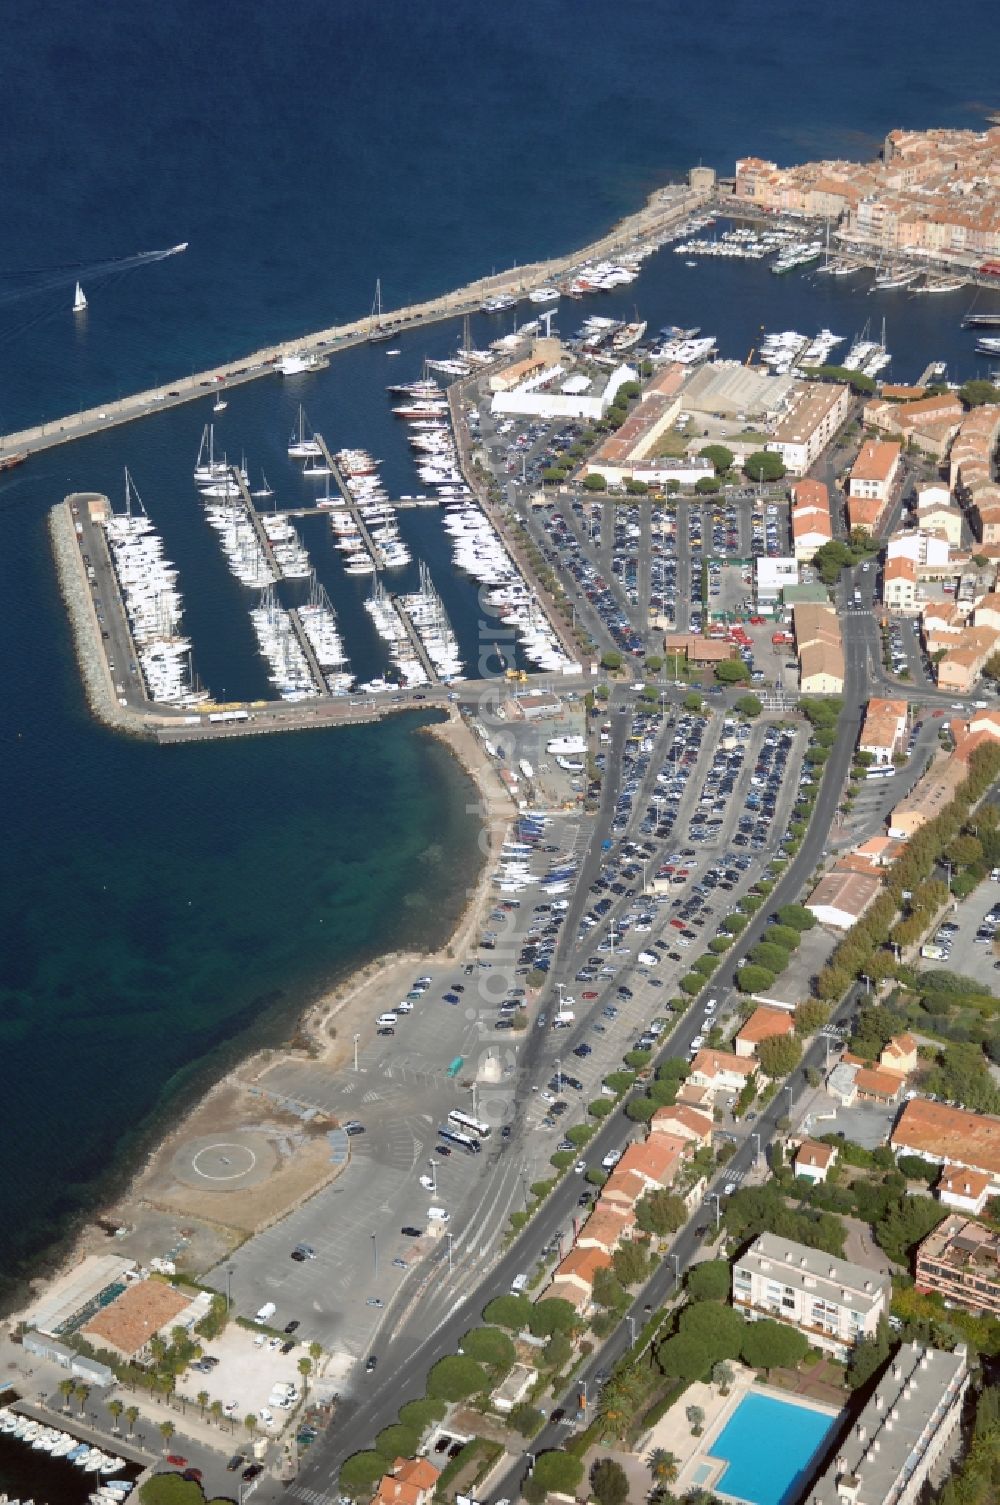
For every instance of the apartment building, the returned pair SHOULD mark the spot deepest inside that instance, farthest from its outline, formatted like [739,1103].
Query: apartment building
[820,649]
[841,897]
[960,1260]
[817,411]
[889,1452]
[871,480]
[721,1071]
[833,1302]
[763,1024]
[810,519]
[899,585]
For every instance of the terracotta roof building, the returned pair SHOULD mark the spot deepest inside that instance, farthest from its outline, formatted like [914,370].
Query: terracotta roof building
[721,1071]
[683,1121]
[884,730]
[950,1136]
[128,1323]
[763,1024]
[813,1160]
[874,471]
[840,898]
[410,1481]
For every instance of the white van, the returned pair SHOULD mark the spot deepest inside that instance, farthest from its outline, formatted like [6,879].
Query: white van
[384,1021]
[518,1284]
[266,1312]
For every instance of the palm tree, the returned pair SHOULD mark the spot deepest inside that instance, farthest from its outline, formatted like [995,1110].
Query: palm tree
[619,1402]
[662,1466]
[66,1388]
[166,1430]
[305,1369]
[116,1408]
[203,1399]
[82,1395]
[215,1409]
[131,1416]
[315,1352]
[250,1422]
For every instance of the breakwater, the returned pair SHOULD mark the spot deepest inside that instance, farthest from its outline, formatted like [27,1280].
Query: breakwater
[654,222]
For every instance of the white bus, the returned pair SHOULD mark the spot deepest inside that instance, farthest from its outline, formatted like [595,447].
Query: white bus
[463,1121]
[461,1141]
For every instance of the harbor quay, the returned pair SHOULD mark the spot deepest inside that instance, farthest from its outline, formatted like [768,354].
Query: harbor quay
[663,210]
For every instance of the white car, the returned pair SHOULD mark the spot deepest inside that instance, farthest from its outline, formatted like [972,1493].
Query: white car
[697,1042]
[438,1215]
[428,1183]
[580,1167]
[406,1007]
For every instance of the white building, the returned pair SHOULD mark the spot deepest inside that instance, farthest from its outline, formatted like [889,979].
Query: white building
[772,577]
[886,1457]
[528,399]
[833,1302]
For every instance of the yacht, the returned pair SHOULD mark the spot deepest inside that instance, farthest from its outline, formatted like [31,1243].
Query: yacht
[301,446]
[297,364]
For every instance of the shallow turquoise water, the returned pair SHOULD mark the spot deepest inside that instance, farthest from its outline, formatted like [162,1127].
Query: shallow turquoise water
[769,1444]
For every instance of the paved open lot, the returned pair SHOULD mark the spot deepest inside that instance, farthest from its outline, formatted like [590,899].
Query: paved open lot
[249,1366]
[976,959]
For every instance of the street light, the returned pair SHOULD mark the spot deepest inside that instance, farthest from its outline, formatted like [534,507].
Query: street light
[558,1074]
[790,1099]
[677,1268]
[356,1039]
[230,1272]
[756,1158]
[451,1240]
[375,1253]
[434,1180]
[631,1328]
[714,1197]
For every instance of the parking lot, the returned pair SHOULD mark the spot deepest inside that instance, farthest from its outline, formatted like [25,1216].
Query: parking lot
[969,940]
[249,1368]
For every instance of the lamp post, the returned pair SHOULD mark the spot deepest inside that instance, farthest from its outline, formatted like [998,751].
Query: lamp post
[375,1254]
[558,1074]
[756,1158]
[677,1268]
[356,1039]
[434,1180]
[631,1328]
[714,1197]
[790,1099]
[230,1271]
[451,1240]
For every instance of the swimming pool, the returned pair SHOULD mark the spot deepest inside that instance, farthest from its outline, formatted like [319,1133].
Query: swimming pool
[767,1445]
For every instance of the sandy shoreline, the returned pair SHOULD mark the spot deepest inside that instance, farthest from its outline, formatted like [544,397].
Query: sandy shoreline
[323,1034]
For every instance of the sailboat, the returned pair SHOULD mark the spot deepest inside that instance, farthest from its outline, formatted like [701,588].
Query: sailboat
[220,405]
[375,330]
[80,301]
[263,489]
[299,447]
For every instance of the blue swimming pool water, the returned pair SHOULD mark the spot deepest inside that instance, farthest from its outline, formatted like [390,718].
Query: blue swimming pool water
[768,1445]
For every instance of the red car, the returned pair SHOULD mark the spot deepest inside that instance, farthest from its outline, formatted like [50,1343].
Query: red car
[588,995]
[756,621]
[677,924]
[176,1460]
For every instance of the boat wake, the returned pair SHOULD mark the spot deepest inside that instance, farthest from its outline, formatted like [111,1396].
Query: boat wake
[17,285]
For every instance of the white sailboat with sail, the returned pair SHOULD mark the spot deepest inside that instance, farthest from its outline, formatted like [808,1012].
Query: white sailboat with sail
[80,300]
[376,331]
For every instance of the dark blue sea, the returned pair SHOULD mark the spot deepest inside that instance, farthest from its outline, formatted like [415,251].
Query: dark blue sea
[165,910]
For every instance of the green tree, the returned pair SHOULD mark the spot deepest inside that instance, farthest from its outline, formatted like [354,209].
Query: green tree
[868,1356]
[709,1280]
[749,706]
[977,392]
[964,851]
[720,456]
[660,1213]
[612,660]
[719,1328]
[554,1473]
[731,671]
[360,1472]
[764,465]
[526,1419]
[203,1399]
[609,1482]
[663,1466]
[131,1416]
[166,1430]
[693,703]
[751,979]
[905,1224]
[489,1345]
[551,1315]
[594,483]
[810,1017]
[767,954]
[772,1345]
[455,1378]
[707,485]
[608,1291]
[66,1388]
[620,1400]
[508,1311]
[397,1441]
[696,1419]
[557,1352]
[779,1055]
[630,1263]
[421,1414]
[723,1375]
